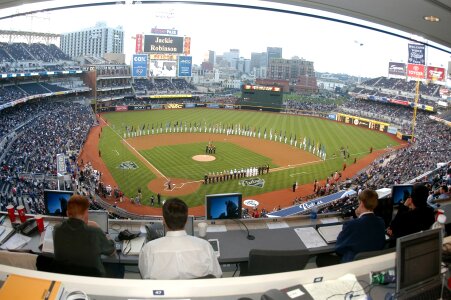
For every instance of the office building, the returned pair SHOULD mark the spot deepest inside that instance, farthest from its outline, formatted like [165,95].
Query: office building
[211,57]
[95,41]
[273,52]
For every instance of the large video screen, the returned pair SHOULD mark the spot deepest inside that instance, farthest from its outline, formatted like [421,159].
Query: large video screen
[55,202]
[223,206]
[163,44]
[162,68]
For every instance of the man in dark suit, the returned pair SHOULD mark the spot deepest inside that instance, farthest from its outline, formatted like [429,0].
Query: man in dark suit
[366,233]
[413,215]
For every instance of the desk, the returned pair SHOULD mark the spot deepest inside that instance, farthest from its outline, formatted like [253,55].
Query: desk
[235,247]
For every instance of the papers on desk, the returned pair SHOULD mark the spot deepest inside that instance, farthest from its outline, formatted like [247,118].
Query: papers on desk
[329,220]
[4,232]
[277,225]
[341,286]
[310,237]
[216,228]
[17,241]
[330,233]
[47,240]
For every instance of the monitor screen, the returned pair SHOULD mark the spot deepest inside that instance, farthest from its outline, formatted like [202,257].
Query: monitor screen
[55,202]
[418,259]
[223,206]
[100,217]
[400,192]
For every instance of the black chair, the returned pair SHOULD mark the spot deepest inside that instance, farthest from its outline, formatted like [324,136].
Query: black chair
[48,264]
[274,261]
[368,254]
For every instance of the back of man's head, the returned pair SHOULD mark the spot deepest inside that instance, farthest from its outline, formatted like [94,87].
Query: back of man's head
[369,199]
[77,206]
[420,195]
[175,214]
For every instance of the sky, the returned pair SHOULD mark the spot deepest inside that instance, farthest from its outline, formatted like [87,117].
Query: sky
[333,47]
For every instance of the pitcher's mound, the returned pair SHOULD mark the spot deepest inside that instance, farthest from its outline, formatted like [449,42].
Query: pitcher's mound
[203,158]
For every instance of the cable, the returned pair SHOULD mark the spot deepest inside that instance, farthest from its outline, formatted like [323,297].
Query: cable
[249,236]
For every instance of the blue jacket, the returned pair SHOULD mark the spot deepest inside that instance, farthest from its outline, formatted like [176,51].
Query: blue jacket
[366,233]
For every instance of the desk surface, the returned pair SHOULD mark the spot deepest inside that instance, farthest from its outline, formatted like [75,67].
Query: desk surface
[234,246]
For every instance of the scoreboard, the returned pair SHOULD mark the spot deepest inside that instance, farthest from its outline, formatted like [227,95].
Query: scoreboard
[269,98]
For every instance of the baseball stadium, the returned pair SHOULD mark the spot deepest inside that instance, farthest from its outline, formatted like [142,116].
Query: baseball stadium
[131,132]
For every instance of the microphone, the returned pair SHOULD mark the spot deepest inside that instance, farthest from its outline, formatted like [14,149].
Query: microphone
[249,236]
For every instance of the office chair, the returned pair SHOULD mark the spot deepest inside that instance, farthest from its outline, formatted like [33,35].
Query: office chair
[368,254]
[49,264]
[274,261]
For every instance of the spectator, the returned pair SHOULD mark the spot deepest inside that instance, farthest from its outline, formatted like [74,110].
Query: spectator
[177,255]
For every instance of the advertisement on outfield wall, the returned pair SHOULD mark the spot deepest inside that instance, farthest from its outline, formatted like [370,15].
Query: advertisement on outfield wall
[415,71]
[121,108]
[417,54]
[163,44]
[212,105]
[190,105]
[162,68]
[332,116]
[392,130]
[156,106]
[363,122]
[398,69]
[173,106]
[436,74]
[185,65]
[139,65]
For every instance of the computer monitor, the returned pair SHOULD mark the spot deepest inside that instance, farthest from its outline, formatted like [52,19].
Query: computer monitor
[418,262]
[55,202]
[223,206]
[400,192]
[100,217]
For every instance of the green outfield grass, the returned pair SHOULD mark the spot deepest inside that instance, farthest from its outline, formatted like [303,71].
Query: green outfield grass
[331,134]
[176,161]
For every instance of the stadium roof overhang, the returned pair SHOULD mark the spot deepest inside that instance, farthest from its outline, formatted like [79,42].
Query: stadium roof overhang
[405,15]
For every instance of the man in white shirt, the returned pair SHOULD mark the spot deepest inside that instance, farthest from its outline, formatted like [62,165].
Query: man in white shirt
[177,255]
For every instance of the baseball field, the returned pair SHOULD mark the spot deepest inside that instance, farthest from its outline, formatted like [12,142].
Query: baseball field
[147,149]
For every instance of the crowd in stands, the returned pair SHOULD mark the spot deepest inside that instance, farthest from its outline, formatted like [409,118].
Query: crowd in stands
[299,107]
[16,52]
[113,83]
[14,92]
[163,86]
[29,161]
[430,89]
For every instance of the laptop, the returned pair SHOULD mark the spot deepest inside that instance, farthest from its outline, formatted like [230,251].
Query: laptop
[100,217]
[418,265]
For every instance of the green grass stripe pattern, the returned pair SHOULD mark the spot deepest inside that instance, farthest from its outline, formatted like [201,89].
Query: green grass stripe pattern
[332,134]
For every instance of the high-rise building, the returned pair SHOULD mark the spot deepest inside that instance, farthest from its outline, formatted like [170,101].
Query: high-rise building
[232,57]
[95,41]
[211,57]
[273,52]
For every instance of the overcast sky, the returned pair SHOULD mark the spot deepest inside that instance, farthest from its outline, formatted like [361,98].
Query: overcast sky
[331,46]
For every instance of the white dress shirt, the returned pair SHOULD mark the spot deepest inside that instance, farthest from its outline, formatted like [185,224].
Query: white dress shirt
[178,256]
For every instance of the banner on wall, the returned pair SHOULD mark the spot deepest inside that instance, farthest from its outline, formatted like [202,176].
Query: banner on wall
[417,54]
[185,66]
[415,71]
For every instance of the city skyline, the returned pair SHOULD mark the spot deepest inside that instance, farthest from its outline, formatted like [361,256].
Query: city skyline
[333,47]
